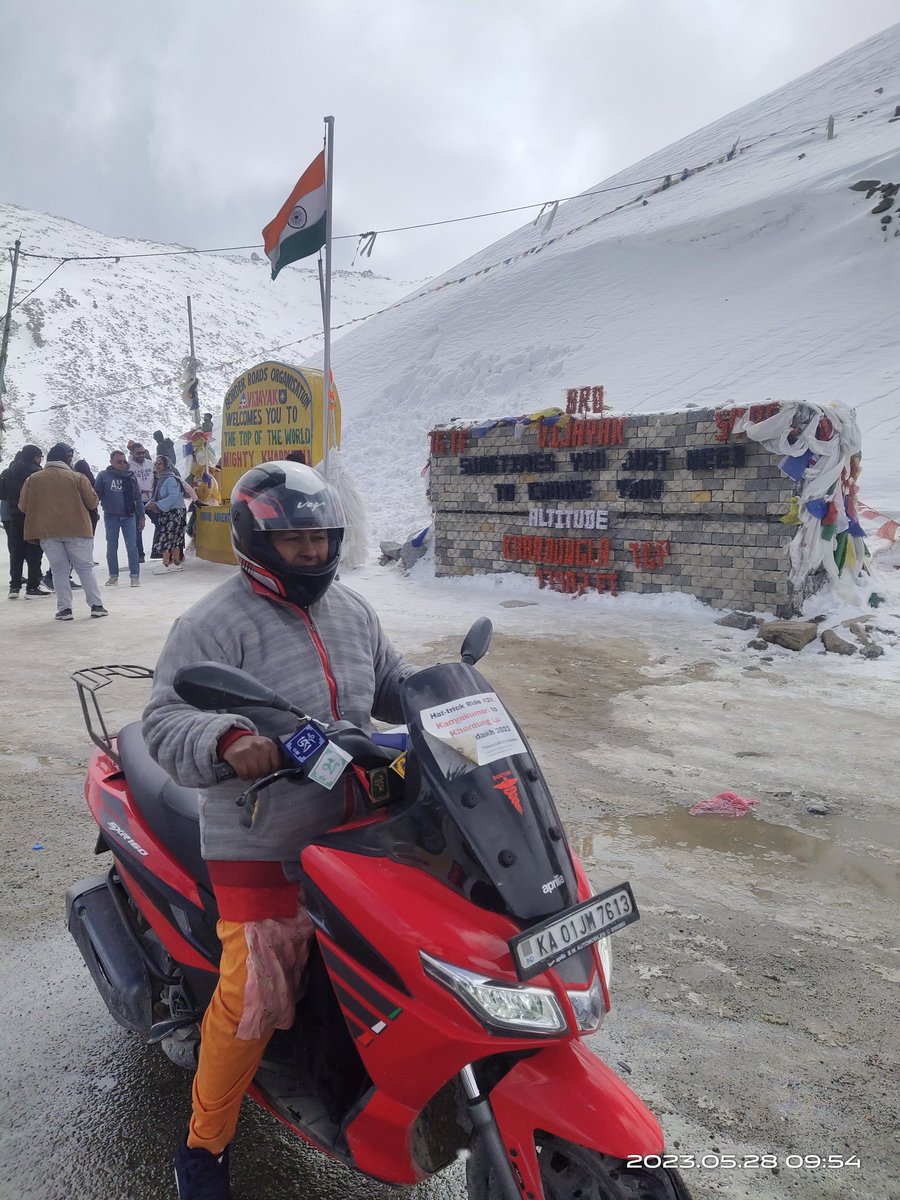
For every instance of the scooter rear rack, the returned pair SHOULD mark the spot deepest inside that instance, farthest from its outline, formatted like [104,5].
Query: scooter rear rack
[89,681]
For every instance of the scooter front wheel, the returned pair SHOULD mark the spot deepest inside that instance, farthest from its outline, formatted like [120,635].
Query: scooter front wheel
[570,1172]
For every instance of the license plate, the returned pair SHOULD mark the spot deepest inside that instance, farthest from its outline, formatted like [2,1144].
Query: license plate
[549,943]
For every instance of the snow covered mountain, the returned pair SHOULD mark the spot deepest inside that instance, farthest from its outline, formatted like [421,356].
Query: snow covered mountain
[763,275]
[752,271]
[95,354]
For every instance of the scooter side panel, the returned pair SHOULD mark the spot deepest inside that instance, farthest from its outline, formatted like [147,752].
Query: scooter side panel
[411,1042]
[400,912]
[121,824]
[411,1046]
[379,1140]
[567,1091]
[179,948]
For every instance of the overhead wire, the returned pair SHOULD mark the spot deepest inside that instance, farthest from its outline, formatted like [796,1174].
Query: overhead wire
[800,127]
[18,303]
[215,367]
[499,212]
[804,126]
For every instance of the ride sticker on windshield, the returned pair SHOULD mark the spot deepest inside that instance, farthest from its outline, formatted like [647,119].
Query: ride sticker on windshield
[477,727]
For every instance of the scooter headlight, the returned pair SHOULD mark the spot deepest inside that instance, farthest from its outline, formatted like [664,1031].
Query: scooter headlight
[589,1007]
[509,1006]
[605,948]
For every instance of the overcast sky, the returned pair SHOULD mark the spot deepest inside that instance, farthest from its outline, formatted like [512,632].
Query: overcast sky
[189,121]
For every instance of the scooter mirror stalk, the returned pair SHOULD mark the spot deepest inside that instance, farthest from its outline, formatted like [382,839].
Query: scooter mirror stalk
[477,641]
[212,685]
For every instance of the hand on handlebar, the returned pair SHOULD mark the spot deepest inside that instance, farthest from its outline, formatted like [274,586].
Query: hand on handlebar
[253,756]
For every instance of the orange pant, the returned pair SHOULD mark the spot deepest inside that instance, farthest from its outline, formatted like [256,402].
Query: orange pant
[259,975]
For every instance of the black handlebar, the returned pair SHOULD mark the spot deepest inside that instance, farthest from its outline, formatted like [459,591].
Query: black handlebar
[354,741]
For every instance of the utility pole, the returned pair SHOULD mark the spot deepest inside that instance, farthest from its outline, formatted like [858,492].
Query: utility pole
[189,389]
[14,257]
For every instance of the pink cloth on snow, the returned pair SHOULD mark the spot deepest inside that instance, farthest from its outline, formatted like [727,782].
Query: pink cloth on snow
[727,804]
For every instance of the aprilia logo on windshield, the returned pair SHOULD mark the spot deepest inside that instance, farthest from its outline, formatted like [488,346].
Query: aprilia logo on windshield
[556,882]
[126,837]
[507,783]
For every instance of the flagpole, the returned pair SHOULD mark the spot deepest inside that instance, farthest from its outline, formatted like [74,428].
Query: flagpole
[326,299]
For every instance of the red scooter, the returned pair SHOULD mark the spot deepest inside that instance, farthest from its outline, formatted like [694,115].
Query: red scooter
[460,958]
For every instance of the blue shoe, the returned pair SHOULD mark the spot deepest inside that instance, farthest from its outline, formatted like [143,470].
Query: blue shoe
[201,1175]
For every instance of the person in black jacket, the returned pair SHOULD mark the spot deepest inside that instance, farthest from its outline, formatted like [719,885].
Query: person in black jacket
[164,446]
[83,467]
[5,507]
[22,554]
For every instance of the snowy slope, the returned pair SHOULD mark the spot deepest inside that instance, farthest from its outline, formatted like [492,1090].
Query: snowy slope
[105,339]
[764,276]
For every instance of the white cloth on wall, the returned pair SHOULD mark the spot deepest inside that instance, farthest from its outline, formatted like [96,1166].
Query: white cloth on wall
[828,479]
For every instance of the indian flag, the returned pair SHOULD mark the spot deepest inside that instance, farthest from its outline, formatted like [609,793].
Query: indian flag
[299,228]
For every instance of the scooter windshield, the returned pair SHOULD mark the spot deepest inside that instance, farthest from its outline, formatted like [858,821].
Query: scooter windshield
[483,819]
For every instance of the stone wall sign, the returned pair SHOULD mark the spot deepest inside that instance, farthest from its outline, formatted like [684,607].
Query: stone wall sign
[585,501]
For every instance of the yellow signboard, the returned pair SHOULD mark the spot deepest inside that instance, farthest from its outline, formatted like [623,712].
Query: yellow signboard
[269,412]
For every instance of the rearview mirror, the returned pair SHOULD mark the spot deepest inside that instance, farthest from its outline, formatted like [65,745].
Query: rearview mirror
[477,641]
[212,685]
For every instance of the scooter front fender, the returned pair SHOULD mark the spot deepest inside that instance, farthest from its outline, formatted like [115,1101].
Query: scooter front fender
[567,1091]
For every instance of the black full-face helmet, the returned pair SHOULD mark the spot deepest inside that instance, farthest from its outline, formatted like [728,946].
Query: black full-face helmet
[285,496]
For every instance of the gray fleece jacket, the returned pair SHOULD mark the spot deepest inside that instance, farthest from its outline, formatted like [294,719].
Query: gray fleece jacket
[276,644]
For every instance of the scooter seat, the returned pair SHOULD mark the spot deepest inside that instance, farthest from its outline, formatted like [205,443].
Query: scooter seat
[171,811]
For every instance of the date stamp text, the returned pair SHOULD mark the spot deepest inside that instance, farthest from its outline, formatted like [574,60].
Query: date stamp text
[742,1162]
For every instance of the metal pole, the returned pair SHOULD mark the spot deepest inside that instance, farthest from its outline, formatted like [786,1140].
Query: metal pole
[326,307]
[321,284]
[485,1125]
[191,372]
[324,388]
[9,303]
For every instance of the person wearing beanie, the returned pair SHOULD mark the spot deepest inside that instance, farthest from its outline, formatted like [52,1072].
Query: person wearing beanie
[57,503]
[6,509]
[22,555]
[164,446]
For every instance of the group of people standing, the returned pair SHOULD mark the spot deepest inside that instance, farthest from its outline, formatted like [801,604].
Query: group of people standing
[53,511]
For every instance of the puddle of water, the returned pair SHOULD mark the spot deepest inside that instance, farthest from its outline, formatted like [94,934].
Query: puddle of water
[747,837]
[24,762]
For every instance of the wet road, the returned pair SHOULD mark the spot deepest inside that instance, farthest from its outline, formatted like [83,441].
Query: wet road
[89,1112]
[754,1004]
[86,1109]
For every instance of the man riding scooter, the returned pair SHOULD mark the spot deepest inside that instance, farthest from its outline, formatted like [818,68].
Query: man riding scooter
[286,621]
